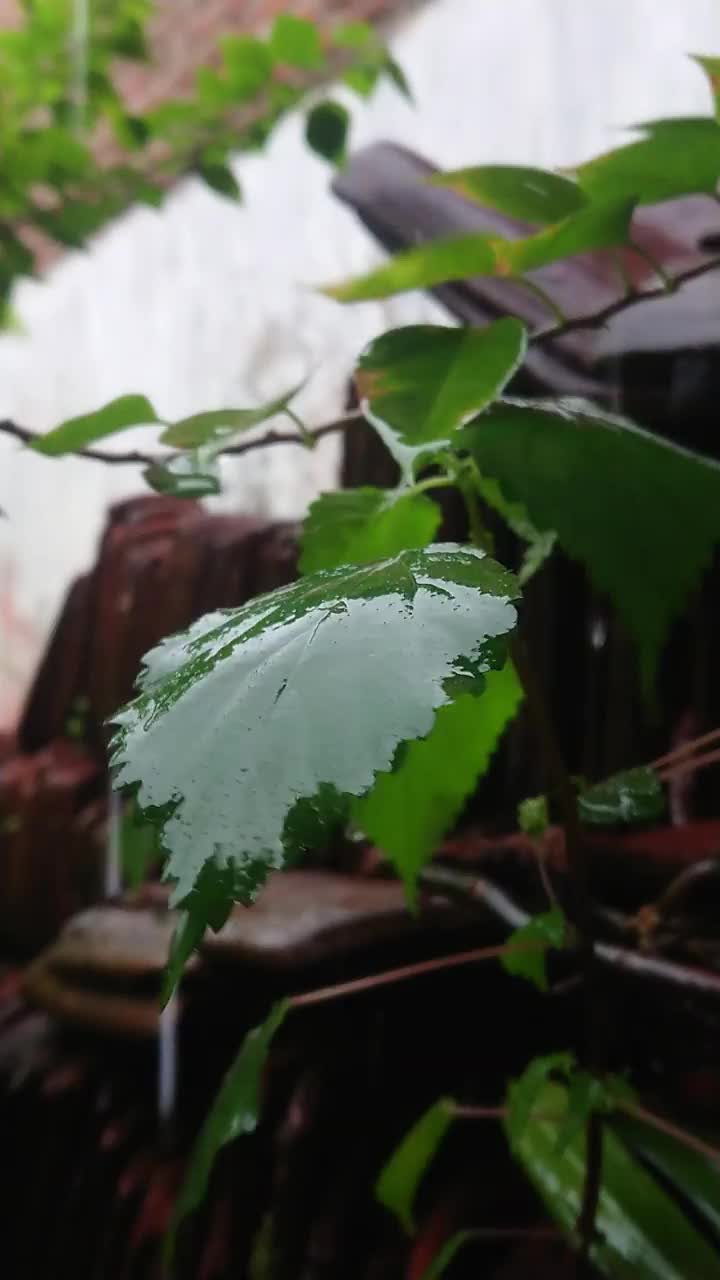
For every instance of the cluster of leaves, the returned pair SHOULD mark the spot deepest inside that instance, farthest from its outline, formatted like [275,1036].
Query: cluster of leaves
[60,107]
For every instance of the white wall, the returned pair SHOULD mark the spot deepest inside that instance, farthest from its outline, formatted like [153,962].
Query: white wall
[204,304]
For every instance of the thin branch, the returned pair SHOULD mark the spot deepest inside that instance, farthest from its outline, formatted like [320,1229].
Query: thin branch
[672,1130]
[598,319]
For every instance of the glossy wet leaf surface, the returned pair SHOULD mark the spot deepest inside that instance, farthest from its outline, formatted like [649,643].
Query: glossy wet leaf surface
[633,796]
[540,543]
[398,1183]
[77,433]
[544,931]
[189,475]
[220,427]
[530,195]
[641,514]
[642,1234]
[408,812]
[674,157]
[358,526]
[234,1112]
[254,728]
[691,1175]
[418,384]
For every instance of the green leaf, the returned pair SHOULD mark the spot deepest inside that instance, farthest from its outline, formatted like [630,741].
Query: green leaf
[711,67]
[419,383]
[641,1233]
[398,1183]
[530,195]
[139,848]
[220,427]
[603,224]
[409,810]
[326,130]
[358,526]
[221,179]
[248,738]
[533,816]
[447,1253]
[234,1113]
[192,475]
[394,72]
[540,543]
[675,157]
[523,1093]
[546,930]
[642,514]
[296,41]
[76,433]
[635,795]
[248,65]
[209,904]
[693,1176]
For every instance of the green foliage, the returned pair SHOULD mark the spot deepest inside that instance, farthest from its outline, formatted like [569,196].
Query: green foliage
[220,178]
[326,130]
[190,475]
[538,936]
[640,1231]
[693,1176]
[140,848]
[234,1112]
[409,810]
[296,41]
[675,157]
[220,428]
[533,817]
[635,795]
[77,433]
[248,739]
[358,526]
[420,383]
[711,67]
[540,543]
[397,1185]
[606,487]
[530,195]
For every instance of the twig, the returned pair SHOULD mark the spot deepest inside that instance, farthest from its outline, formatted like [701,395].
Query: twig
[686,749]
[672,1130]
[693,765]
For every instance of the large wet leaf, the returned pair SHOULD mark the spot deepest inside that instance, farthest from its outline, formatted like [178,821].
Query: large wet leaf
[234,1112]
[398,1183]
[418,384]
[674,157]
[409,811]
[603,224]
[641,1233]
[358,526]
[693,1176]
[77,433]
[530,195]
[255,727]
[642,514]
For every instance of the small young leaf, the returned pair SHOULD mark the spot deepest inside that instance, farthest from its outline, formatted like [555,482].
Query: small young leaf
[418,384]
[76,433]
[139,848]
[607,487]
[546,930]
[248,65]
[326,130]
[523,1093]
[220,178]
[633,796]
[676,157]
[359,526]
[541,543]
[533,817]
[530,195]
[409,810]
[187,476]
[247,736]
[640,1230]
[220,427]
[711,67]
[398,1183]
[296,41]
[234,1112]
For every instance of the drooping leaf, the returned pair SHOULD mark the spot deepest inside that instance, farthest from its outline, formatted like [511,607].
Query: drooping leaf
[190,475]
[398,1183]
[642,514]
[530,195]
[523,1093]
[208,905]
[296,41]
[220,178]
[633,796]
[533,816]
[419,383]
[542,932]
[674,157]
[326,130]
[220,427]
[248,737]
[77,433]
[640,1232]
[234,1112]
[541,543]
[408,812]
[711,67]
[358,526]
[603,224]
[694,1177]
